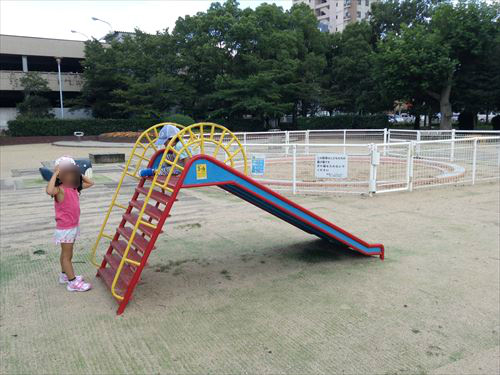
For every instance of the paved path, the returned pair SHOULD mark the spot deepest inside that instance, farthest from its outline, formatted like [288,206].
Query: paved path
[93,144]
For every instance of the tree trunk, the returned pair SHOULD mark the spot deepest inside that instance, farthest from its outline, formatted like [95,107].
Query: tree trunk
[445,108]
[416,124]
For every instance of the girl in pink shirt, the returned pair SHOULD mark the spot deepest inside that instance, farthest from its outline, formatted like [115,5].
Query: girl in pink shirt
[65,186]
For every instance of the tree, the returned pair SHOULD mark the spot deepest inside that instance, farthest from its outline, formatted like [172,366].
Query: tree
[390,15]
[349,77]
[431,58]
[34,104]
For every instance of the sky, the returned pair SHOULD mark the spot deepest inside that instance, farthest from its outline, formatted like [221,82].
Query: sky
[56,19]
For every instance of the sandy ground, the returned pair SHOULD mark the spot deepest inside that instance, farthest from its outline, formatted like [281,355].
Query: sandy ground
[231,289]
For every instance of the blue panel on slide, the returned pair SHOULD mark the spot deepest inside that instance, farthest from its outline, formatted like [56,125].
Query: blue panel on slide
[206,172]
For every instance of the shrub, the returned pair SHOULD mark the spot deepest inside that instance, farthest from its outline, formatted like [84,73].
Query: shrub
[54,127]
[495,122]
[466,121]
[179,119]
[344,122]
[241,125]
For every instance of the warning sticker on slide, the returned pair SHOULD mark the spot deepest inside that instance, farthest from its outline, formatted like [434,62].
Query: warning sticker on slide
[201,171]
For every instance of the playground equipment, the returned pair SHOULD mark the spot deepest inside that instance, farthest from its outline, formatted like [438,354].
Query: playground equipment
[212,150]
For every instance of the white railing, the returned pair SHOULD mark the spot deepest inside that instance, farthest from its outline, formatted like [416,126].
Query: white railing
[375,167]
[357,136]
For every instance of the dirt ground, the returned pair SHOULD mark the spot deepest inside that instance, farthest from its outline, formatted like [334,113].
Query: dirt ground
[231,289]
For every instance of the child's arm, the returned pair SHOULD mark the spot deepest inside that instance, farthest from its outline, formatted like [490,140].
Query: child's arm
[52,189]
[87,182]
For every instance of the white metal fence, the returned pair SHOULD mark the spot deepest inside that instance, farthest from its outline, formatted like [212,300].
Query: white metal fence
[358,136]
[379,160]
[376,167]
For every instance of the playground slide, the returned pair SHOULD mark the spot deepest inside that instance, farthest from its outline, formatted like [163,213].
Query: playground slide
[204,170]
[129,247]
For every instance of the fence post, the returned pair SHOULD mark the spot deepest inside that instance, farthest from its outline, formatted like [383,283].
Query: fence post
[294,169]
[452,152]
[386,137]
[374,162]
[245,142]
[409,166]
[345,136]
[287,141]
[474,159]
[419,138]
[307,142]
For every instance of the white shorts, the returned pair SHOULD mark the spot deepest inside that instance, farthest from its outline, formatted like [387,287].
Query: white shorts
[66,235]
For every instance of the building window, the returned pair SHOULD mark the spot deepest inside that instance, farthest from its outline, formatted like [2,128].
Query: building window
[359,14]
[367,3]
[359,2]
[336,17]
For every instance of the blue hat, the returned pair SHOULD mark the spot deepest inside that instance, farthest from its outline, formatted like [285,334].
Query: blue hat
[167,132]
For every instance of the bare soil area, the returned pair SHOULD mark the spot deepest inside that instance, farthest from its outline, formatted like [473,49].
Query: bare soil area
[231,289]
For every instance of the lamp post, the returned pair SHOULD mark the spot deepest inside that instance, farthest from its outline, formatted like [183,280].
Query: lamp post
[58,59]
[78,32]
[106,22]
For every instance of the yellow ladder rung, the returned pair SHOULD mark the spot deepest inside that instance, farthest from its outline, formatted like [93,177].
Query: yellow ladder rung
[140,156]
[148,224]
[164,186]
[132,175]
[132,262]
[120,205]
[107,236]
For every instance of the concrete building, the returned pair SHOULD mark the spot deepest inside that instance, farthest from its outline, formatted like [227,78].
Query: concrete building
[335,15]
[20,54]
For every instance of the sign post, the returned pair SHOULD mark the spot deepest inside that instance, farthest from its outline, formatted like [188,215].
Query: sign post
[331,166]
[258,164]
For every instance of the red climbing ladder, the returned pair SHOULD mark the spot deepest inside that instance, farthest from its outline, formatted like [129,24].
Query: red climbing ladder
[143,217]
[143,242]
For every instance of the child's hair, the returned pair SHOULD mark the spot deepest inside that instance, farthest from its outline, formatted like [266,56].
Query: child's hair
[79,187]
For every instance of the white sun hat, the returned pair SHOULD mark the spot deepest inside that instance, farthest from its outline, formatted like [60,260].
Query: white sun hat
[65,161]
[167,132]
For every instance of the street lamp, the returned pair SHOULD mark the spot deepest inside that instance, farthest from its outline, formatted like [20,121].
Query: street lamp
[107,23]
[58,59]
[77,32]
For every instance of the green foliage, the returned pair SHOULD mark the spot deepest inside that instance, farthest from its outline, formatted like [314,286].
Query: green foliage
[424,61]
[33,83]
[179,119]
[263,63]
[344,122]
[34,105]
[495,122]
[54,127]
[349,78]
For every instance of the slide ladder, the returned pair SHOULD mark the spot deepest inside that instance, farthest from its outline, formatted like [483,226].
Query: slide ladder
[214,153]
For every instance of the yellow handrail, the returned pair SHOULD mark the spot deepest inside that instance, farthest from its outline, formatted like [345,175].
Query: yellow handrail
[196,138]
[125,173]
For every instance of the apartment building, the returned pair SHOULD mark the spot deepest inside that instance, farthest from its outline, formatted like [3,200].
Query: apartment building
[335,15]
[21,54]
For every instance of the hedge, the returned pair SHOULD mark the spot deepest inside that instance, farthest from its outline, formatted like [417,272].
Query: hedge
[53,127]
[179,119]
[343,122]
[241,125]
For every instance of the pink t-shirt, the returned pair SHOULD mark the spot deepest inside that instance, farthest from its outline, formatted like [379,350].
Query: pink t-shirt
[68,211]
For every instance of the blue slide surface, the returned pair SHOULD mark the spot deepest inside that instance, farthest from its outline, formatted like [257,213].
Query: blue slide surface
[204,170]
